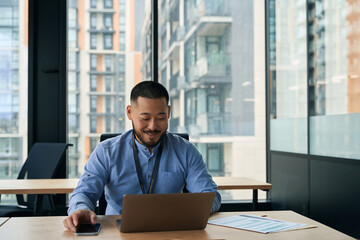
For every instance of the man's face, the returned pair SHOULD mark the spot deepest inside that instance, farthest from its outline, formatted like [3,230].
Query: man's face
[149,118]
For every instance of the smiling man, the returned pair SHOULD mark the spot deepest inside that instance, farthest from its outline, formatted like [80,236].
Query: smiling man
[144,160]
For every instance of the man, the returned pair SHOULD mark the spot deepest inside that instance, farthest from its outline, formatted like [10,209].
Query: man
[127,164]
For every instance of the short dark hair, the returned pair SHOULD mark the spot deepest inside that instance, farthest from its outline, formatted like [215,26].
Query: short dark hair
[149,89]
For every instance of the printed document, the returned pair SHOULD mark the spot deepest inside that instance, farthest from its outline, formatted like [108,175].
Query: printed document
[256,223]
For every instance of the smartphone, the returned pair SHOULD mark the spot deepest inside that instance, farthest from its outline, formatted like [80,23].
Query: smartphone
[86,229]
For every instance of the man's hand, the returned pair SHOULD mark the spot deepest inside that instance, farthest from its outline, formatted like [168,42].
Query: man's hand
[81,215]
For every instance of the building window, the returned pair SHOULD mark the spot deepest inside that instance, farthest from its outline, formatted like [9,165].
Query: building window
[93,62]
[122,63]
[72,38]
[93,123]
[122,22]
[93,20]
[108,124]
[6,18]
[93,83]
[73,103]
[93,40]
[108,80]
[108,104]
[72,61]
[93,143]
[108,41]
[73,81]
[108,23]
[72,18]
[122,41]
[108,3]
[108,62]
[213,156]
[73,122]
[93,3]
[93,104]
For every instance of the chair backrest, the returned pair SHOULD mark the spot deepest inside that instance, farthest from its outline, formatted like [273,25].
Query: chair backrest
[102,200]
[42,163]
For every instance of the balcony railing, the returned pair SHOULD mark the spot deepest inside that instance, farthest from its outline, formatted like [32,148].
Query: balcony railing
[214,64]
[211,124]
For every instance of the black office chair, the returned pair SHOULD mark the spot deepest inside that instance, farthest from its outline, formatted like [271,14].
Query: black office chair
[102,200]
[42,163]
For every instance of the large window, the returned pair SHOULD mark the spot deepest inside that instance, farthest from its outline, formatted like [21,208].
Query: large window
[288,77]
[334,79]
[100,74]
[13,90]
[212,61]
[314,77]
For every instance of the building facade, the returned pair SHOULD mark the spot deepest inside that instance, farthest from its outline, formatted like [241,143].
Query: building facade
[104,62]
[210,60]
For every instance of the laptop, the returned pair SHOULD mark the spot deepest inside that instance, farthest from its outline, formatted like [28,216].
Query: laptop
[165,212]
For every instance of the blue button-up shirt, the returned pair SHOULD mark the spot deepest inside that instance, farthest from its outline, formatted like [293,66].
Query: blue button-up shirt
[111,166]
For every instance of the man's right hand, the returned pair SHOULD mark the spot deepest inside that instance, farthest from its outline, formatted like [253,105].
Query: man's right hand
[81,215]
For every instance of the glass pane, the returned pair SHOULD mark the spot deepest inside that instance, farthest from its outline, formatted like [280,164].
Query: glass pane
[288,75]
[102,69]
[211,59]
[334,79]
[13,90]
[146,42]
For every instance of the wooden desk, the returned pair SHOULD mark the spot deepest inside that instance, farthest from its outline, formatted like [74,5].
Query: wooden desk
[53,186]
[233,183]
[52,228]
[37,186]
[48,186]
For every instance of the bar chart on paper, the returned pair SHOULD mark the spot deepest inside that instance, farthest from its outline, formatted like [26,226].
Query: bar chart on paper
[256,223]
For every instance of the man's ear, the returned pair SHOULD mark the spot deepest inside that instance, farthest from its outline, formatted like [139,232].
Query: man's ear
[169,111]
[128,112]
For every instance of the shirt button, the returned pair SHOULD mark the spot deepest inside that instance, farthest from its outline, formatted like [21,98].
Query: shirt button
[149,176]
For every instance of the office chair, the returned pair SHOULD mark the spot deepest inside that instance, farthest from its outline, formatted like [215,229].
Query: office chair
[102,200]
[42,163]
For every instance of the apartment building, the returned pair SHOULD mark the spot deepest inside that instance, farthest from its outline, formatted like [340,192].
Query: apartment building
[214,79]
[104,61]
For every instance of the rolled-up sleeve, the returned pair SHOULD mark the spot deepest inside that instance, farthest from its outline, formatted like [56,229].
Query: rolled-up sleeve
[92,182]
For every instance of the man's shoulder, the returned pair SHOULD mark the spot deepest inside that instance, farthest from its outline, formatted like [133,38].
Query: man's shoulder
[177,136]
[178,140]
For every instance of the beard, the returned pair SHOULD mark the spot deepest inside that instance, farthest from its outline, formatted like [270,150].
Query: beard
[139,137]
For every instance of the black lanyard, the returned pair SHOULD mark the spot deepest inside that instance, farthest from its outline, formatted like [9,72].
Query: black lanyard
[138,167]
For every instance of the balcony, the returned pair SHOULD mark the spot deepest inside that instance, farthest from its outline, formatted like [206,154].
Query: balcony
[209,123]
[211,68]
